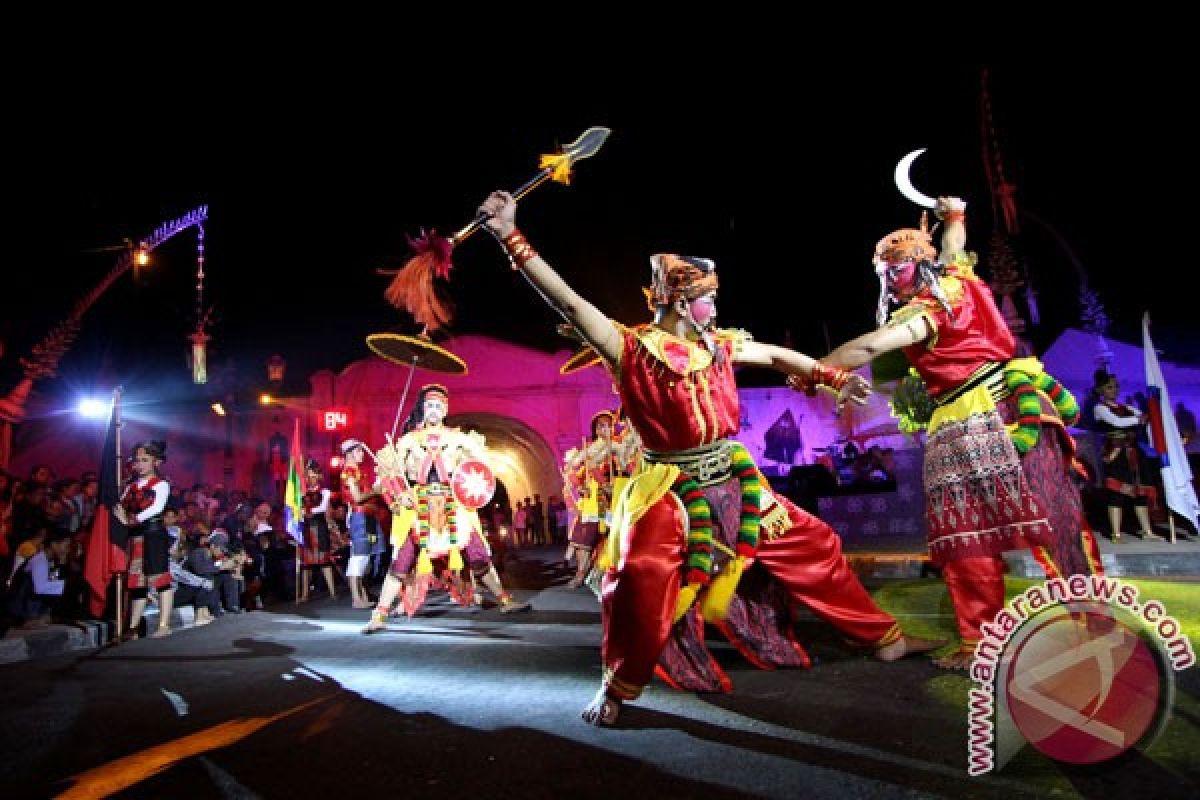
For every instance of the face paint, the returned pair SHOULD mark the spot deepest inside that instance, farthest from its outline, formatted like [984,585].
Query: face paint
[435,410]
[901,278]
[703,310]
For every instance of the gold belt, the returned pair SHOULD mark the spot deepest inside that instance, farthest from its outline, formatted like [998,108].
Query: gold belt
[709,464]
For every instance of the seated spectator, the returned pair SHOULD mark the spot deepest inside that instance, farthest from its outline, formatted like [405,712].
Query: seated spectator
[37,589]
[171,523]
[70,492]
[89,495]
[25,551]
[228,558]
[190,588]
[260,521]
[199,561]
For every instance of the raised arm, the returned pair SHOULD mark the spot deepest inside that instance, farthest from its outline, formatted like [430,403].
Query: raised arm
[952,211]
[596,329]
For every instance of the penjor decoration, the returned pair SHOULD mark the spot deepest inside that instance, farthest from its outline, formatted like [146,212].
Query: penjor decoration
[42,362]
[413,290]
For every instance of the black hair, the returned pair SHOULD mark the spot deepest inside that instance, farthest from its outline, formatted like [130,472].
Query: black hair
[153,447]
[416,417]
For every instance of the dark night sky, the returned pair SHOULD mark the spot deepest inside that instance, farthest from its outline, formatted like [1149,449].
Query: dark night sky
[783,177]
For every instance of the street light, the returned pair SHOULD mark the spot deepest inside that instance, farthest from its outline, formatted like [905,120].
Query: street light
[93,409]
[276,366]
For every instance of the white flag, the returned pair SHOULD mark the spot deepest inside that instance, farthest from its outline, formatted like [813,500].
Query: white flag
[1176,472]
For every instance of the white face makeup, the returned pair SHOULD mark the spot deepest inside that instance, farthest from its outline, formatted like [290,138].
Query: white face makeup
[435,409]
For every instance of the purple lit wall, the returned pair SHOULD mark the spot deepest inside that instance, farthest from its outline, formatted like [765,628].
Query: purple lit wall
[1072,359]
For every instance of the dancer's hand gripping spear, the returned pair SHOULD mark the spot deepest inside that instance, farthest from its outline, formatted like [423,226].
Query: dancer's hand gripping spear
[412,287]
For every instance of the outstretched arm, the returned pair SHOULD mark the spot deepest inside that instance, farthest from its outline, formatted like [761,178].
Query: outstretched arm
[596,329]
[869,346]
[855,353]
[808,370]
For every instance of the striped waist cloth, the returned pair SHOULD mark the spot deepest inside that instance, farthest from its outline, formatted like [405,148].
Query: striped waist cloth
[709,464]
[990,375]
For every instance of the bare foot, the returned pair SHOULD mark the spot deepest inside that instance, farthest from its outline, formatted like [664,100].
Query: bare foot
[575,582]
[508,606]
[959,659]
[1151,536]
[907,646]
[603,710]
[160,633]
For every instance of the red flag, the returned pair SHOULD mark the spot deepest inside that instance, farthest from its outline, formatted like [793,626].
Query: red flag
[105,555]
[102,560]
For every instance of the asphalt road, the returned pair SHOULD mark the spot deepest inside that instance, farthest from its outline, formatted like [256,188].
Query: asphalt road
[295,702]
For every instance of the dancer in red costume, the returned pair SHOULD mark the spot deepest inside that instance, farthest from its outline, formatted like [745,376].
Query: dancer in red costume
[998,458]
[698,513]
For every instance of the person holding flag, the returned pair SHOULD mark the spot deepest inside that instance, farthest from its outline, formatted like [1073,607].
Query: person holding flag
[317,548]
[141,509]
[303,515]
[1178,489]
[1123,468]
